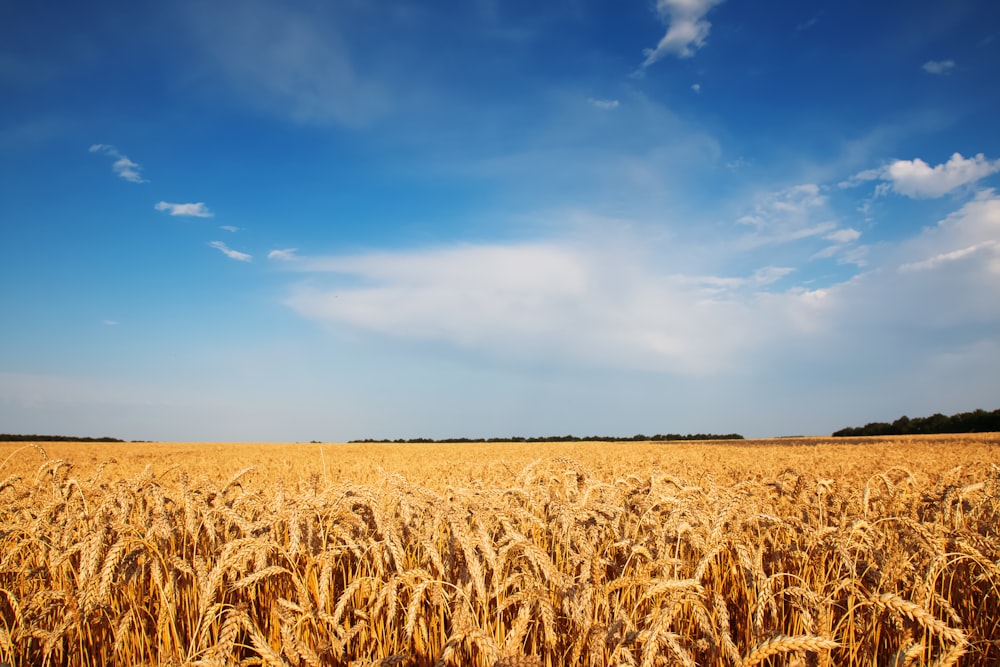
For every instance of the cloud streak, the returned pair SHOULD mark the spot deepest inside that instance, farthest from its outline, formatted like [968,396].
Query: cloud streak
[939,66]
[123,166]
[283,255]
[196,210]
[230,253]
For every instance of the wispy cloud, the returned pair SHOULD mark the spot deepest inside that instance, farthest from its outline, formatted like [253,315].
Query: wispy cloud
[939,66]
[229,228]
[283,255]
[284,59]
[196,210]
[843,235]
[606,105]
[842,246]
[123,166]
[687,28]
[787,215]
[563,303]
[230,253]
[951,256]
[616,306]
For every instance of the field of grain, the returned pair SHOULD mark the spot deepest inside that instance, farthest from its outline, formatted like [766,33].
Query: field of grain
[788,552]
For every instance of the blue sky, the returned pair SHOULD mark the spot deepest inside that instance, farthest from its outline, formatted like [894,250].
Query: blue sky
[265,220]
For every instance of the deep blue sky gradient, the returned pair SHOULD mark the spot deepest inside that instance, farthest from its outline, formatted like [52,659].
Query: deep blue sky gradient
[486,218]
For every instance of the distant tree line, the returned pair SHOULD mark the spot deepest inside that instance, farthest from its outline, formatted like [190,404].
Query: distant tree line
[639,437]
[13,437]
[977,421]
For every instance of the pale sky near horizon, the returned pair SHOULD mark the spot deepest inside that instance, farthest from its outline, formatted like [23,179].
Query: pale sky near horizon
[291,220]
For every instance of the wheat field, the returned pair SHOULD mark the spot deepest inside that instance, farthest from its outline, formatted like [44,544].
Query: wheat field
[790,552]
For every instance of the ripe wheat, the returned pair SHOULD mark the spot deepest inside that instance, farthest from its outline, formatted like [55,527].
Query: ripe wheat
[569,559]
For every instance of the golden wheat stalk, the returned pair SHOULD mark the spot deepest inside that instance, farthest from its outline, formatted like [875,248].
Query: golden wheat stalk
[784,644]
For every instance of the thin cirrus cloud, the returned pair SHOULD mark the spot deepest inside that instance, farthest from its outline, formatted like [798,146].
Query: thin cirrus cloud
[195,210]
[939,66]
[282,255]
[123,166]
[606,105]
[791,214]
[951,256]
[687,28]
[300,65]
[229,252]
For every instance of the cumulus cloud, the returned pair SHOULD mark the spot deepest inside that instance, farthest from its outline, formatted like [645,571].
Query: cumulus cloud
[915,178]
[196,210]
[123,166]
[687,28]
[230,253]
[938,66]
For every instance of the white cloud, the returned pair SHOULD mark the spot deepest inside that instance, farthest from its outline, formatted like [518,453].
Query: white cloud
[794,213]
[970,234]
[595,307]
[229,228]
[771,274]
[951,256]
[606,105]
[196,210]
[230,253]
[687,29]
[696,87]
[841,245]
[861,177]
[939,66]
[284,255]
[123,166]
[843,235]
[932,287]
[915,178]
